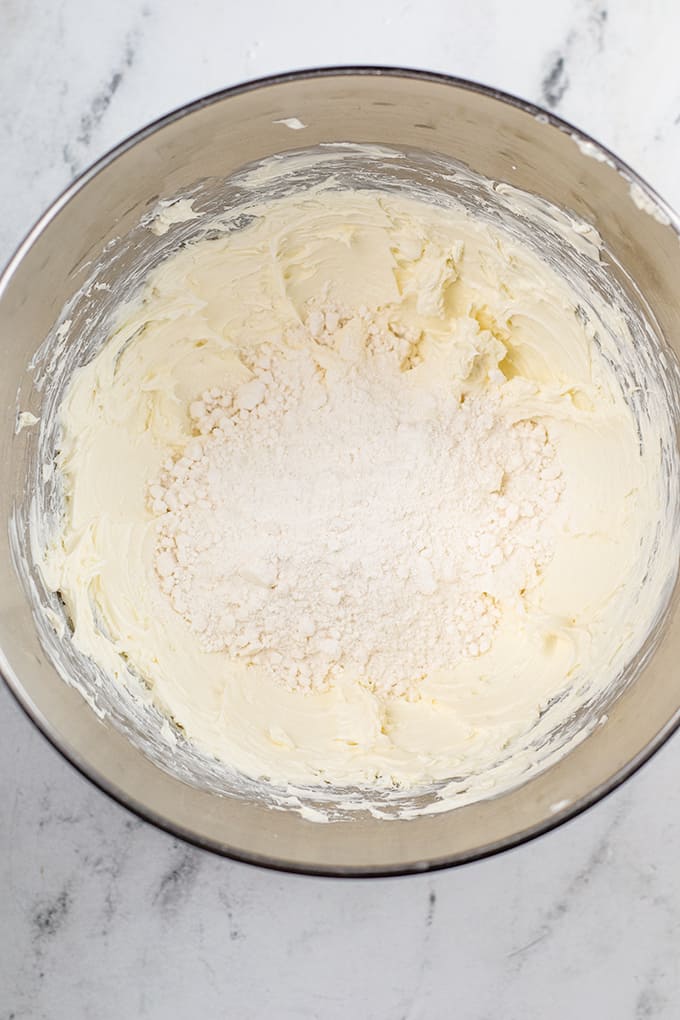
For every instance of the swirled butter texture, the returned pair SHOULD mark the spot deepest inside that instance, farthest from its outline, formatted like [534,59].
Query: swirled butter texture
[492,321]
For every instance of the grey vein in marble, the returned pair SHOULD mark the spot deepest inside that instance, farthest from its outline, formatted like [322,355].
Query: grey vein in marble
[177,881]
[100,102]
[589,35]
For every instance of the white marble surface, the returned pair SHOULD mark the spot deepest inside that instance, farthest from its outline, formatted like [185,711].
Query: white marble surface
[105,917]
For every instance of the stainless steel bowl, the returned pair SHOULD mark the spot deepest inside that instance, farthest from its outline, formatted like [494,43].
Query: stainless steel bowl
[498,136]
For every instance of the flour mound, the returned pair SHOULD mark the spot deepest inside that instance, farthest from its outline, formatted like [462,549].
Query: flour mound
[332,516]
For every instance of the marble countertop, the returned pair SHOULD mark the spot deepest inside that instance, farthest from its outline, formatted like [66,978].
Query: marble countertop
[105,917]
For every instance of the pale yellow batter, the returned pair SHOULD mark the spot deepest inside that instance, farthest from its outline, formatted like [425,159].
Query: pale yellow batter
[485,305]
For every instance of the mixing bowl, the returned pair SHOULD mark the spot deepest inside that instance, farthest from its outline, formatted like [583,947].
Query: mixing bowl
[94,245]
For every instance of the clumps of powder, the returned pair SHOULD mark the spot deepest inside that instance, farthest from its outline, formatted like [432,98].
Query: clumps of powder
[334,516]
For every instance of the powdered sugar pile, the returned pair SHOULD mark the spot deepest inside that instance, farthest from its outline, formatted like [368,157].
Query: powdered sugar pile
[333,516]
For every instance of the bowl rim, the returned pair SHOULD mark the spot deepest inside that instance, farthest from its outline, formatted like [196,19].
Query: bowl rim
[11,680]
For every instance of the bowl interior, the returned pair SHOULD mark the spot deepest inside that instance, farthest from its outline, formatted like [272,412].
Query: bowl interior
[444,141]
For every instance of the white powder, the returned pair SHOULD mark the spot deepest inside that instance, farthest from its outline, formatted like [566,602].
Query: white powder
[332,515]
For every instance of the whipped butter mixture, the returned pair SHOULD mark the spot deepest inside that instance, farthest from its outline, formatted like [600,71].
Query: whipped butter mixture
[353,491]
